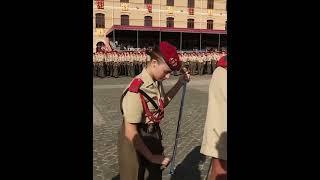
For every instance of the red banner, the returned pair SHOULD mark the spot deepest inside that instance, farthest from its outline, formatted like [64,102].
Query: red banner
[100,4]
[149,7]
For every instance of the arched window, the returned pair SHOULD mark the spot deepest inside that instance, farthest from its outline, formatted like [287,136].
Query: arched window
[100,21]
[124,20]
[209,24]
[190,23]
[147,21]
[170,22]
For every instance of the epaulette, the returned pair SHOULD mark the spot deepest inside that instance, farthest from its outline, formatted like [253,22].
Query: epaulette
[135,85]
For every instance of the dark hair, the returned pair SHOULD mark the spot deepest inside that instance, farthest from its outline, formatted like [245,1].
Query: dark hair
[155,54]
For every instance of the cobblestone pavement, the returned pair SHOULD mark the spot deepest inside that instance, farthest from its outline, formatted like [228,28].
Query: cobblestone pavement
[190,164]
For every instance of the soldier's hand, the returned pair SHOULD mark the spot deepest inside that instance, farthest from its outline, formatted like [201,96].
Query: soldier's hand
[160,159]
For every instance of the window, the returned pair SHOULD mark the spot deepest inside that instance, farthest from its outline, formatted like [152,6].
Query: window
[170,2]
[124,1]
[170,22]
[209,24]
[124,20]
[147,21]
[148,1]
[210,4]
[190,3]
[100,22]
[190,23]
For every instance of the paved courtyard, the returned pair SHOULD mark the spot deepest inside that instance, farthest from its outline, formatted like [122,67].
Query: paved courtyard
[190,164]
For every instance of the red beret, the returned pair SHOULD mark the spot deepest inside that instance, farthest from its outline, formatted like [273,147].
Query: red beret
[170,55]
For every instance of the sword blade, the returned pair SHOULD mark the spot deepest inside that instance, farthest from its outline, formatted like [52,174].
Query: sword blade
[171,172]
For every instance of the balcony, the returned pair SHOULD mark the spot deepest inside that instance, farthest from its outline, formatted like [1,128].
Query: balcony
[149,7]
[191,11]
[99,4]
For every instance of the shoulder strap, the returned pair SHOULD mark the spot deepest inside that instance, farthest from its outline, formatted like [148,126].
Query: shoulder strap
[149,98]
[135,88]
[141,92]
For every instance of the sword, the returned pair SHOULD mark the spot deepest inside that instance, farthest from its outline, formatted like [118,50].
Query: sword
[171,171]
[172,168]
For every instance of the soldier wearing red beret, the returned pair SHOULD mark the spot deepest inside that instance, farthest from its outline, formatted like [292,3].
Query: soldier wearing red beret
[142,104]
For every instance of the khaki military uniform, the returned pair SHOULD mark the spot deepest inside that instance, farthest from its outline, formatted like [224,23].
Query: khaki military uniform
[127,65]
[104,64]
[214,141]
[193,63]
[214,61]
[116,65]
[131,66]
[187,58]
[101,70]
[94,65]
[140,63]
[120,67]
[185,62]
[107,67]
[111,62]
[209,66]
[200,64]
[144,61]
[132,165]
[135,64]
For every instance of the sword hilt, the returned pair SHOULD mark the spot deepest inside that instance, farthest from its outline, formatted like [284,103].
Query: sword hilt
[163,167]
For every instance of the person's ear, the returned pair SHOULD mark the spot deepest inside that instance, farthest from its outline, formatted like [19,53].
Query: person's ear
[154,63]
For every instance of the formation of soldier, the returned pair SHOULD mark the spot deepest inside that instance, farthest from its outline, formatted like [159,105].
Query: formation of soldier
[130,63]
[115,64]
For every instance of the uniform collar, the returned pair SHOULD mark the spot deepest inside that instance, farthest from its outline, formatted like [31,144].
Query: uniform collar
[147,79]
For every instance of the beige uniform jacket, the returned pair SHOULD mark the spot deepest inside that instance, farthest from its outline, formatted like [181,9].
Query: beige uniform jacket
[214,141]
[129,161]
[132,106]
